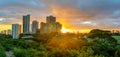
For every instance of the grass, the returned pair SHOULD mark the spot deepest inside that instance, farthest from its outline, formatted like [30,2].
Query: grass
[117,38]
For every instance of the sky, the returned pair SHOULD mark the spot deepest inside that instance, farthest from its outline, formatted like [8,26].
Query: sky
[72,14]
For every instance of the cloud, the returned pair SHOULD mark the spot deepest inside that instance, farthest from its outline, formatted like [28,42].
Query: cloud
[28,3]
[91,13]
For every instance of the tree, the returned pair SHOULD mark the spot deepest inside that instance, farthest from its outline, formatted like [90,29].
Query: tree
[43,37]
[2,51]
[97,33]
[104,47]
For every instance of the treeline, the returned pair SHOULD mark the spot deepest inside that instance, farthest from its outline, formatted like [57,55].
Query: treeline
[97,43]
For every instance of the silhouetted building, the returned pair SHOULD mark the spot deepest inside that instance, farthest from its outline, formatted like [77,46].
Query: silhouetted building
[51,25]
[34,26]
[16,30]
[26,24]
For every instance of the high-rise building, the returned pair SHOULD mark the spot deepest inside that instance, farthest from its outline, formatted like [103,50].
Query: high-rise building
[51,25]
[16,30]
[26,24]
[34,26]
[51,19]
[43,28]
[58,27]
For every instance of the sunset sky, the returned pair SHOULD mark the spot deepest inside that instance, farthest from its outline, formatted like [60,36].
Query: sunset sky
[72,14]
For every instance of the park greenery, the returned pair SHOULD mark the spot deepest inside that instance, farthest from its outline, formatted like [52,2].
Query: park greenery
[97,43]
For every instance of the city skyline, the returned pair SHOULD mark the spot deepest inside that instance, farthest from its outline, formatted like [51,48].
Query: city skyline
[30,24]
[74,15]
[27,25]
[50,26]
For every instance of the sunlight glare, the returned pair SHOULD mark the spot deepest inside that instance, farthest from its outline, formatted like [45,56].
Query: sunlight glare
[64,30]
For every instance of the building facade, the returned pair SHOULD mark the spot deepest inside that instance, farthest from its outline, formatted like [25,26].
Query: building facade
[50,19]
[16,30]
[26,24]
[50,26]
[34,26]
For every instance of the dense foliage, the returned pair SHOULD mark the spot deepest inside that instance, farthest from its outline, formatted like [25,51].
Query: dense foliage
[2,52]
[99,44]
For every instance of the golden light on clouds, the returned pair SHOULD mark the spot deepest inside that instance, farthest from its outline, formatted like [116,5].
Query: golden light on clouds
[65,30]
[4,27]
[67,17]
[85,30]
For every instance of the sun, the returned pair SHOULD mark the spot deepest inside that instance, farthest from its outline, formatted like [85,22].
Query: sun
[64,30]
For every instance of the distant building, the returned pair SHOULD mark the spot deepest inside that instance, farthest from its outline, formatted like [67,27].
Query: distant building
[50,19]
[16,30]
[4,32]
[43,28]
[9,32]
[34,26]
[50,26]
[26,24]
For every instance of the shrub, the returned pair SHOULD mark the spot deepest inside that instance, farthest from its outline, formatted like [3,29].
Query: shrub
[20,52]
[84,52]
[2,52]
[104,47]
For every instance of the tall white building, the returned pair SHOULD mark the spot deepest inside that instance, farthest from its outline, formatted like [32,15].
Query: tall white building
[34,26]
[26,24]
[16,30]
